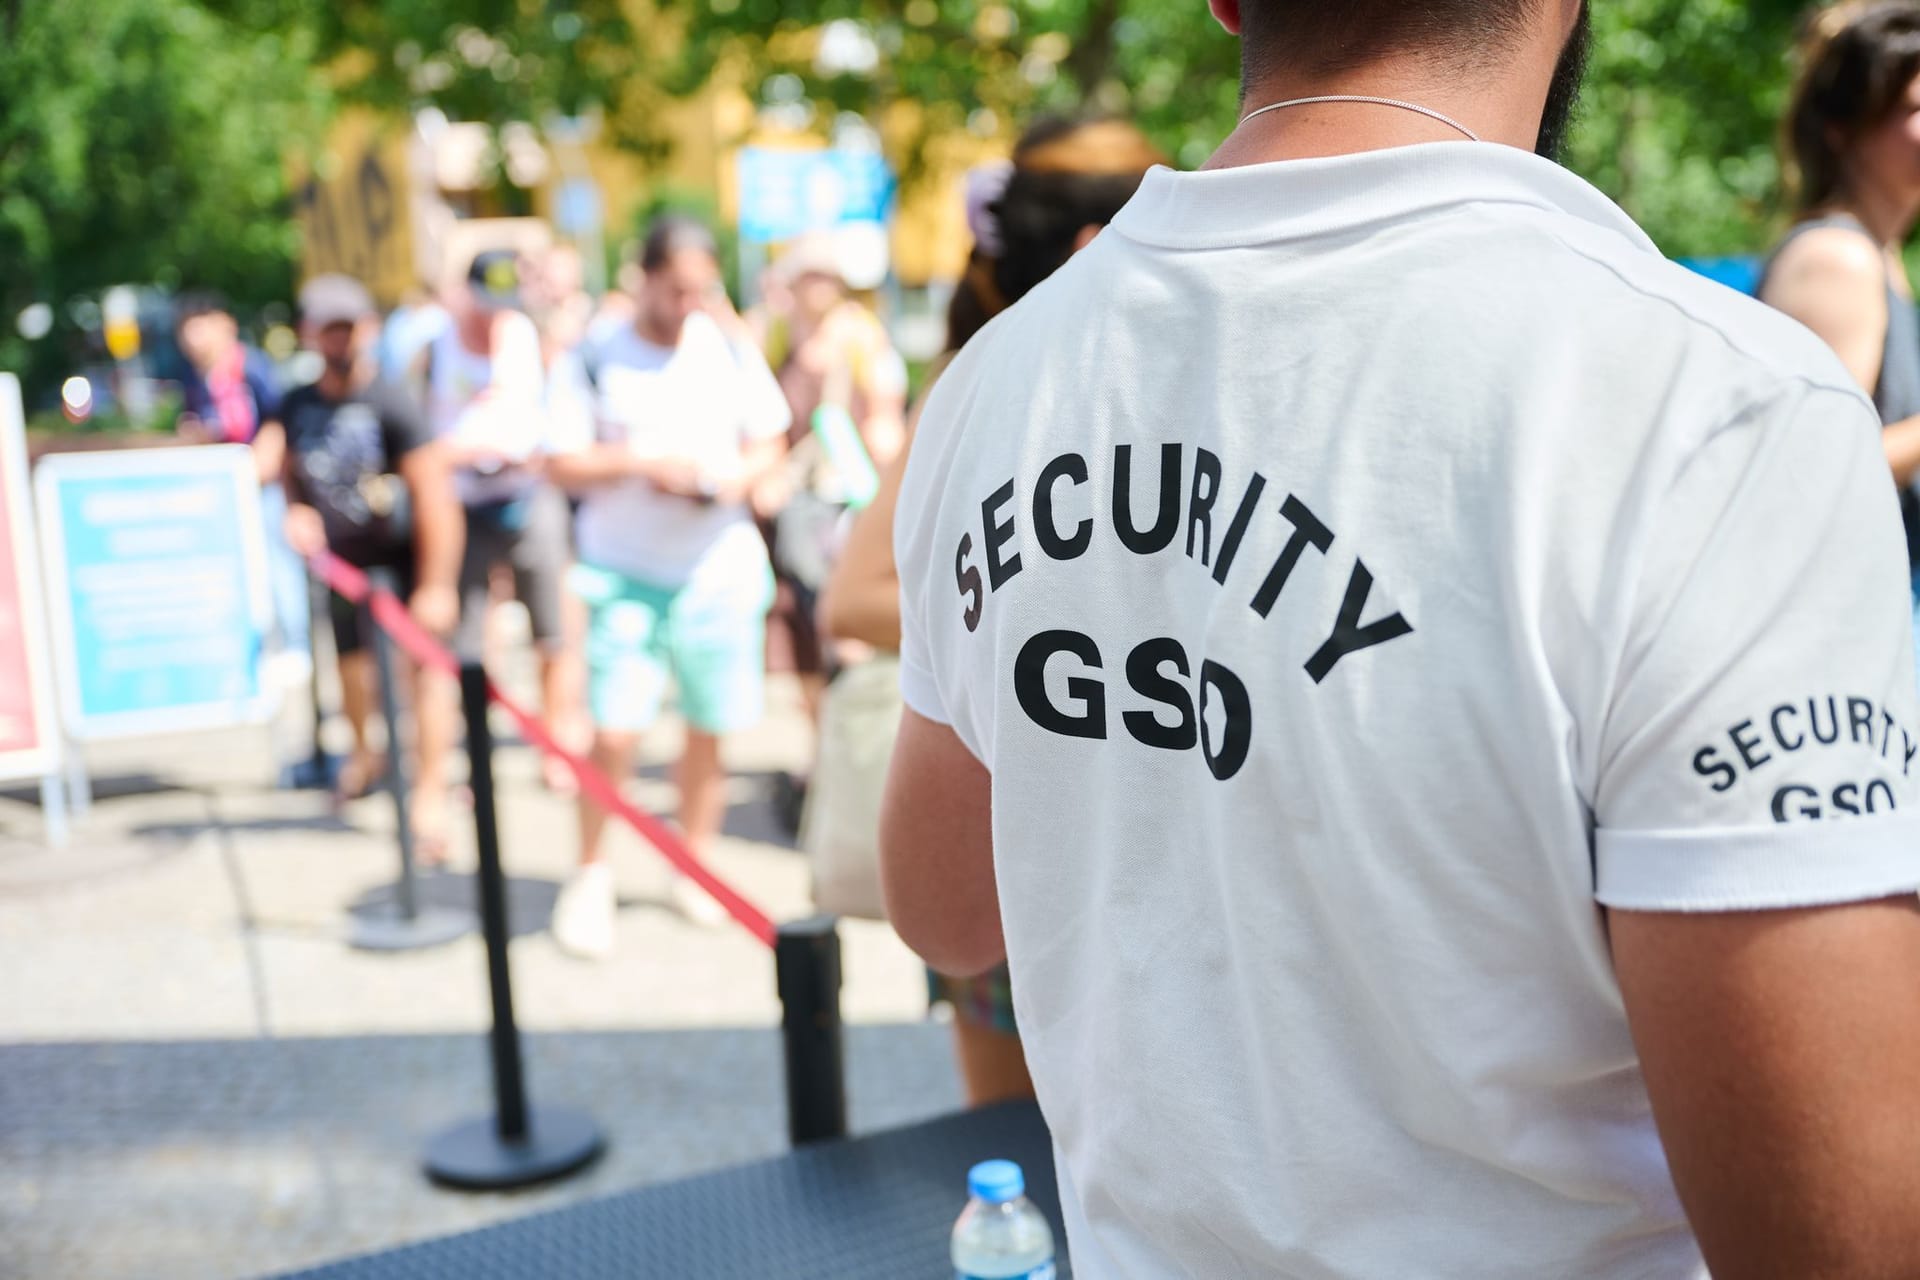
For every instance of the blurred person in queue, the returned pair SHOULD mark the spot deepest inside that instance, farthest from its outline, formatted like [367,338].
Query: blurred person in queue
[1067,181]
[418,320]
[369,483]
[1420,689]
[674,574]
[562,311]
[557,299]
[232,392]
[1853,144]
[486,395]
[831,354]
[232,395]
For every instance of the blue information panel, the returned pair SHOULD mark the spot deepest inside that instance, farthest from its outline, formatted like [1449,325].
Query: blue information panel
[156,574]
[788,193]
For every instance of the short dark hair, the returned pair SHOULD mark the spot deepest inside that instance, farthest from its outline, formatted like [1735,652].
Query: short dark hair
[1068,174]
[1321,38]
[673,234]
[199,302]
[1856,61]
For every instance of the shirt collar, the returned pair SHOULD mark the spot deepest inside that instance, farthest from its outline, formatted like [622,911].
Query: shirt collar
[1298,199]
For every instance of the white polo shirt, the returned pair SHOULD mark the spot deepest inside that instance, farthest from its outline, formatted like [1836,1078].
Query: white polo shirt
[1353,571]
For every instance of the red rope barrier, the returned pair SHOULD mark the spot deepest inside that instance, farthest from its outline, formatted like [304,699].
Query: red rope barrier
[393,618]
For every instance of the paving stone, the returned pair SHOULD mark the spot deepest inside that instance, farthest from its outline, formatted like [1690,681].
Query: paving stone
[198,1077]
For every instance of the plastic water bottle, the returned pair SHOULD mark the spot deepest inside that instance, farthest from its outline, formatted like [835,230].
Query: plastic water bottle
[1000,1235]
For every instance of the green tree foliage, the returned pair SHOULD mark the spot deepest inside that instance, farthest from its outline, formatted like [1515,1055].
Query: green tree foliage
[1681,115]
[982,63]
[146,140]
[142,141]
[486,60]
[1678,120]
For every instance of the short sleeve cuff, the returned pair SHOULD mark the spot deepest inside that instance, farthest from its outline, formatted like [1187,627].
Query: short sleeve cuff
[918,691]
[1759,868]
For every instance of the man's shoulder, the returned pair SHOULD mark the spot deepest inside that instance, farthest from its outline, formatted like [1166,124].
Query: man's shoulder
[302,402]
[622,347]
[957,375]
[1620,293]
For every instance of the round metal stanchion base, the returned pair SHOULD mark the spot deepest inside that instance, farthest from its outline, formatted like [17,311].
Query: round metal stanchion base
[472,1156]
[382,926]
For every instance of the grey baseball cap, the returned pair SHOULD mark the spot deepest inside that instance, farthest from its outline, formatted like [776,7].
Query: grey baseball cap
[334,299]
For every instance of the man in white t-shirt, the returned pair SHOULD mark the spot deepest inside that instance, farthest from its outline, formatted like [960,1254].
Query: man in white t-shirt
[486,399]
[1418,689]
[672,569]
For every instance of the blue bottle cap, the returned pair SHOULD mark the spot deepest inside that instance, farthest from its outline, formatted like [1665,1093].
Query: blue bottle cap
[996,1181]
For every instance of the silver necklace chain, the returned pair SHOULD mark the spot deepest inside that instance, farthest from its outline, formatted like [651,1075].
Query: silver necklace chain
[1415,107]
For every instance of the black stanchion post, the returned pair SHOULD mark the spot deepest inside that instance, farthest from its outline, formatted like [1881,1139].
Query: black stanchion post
[509,1089]
[517,1145]
[398,921]
[407,890]
[319,607]
[316,771]
[807,964]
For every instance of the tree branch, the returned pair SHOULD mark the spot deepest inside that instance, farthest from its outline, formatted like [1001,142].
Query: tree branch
[1091,60]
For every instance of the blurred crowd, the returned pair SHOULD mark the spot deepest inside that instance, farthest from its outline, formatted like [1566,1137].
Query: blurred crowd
[657,479]
[682,496]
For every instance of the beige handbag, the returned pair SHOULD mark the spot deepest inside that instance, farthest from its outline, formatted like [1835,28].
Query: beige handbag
[840,828]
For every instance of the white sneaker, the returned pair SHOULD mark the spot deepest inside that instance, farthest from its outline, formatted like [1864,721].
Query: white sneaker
[583,914]
[696,905]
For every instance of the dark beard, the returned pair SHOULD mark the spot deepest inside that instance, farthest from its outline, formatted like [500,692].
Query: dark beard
[1564,94]
[342,369]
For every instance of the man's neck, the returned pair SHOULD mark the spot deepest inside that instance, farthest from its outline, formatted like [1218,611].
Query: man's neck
[1496,107]
[475,334]
[225,362]
[335,385]
[659,336]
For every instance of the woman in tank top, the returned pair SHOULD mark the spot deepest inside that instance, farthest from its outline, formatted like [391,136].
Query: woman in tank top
[1853,140]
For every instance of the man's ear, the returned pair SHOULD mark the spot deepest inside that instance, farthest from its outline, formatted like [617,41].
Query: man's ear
[1227,14]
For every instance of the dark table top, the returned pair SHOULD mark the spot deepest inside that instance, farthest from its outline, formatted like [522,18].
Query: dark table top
[880,1206]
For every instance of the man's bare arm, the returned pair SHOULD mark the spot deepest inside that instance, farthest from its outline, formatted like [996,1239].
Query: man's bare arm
[936,851]
[1782,1054]
[758,459]
[583,470]
[439,523]
[862,598]
[270,451]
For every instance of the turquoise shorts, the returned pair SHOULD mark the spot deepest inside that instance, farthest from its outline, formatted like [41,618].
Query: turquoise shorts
[710,643]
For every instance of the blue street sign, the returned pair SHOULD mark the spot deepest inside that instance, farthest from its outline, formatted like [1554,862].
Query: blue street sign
[784,194]
[157,583]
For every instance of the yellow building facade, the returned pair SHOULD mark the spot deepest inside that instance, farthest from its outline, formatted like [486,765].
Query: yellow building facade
[383,201]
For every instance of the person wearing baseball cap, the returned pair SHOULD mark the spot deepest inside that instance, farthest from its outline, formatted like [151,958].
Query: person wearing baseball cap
[493,281]
[368,482]
[485,388]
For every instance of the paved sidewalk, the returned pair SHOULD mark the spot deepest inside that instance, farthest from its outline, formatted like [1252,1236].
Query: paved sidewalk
[199,1078]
